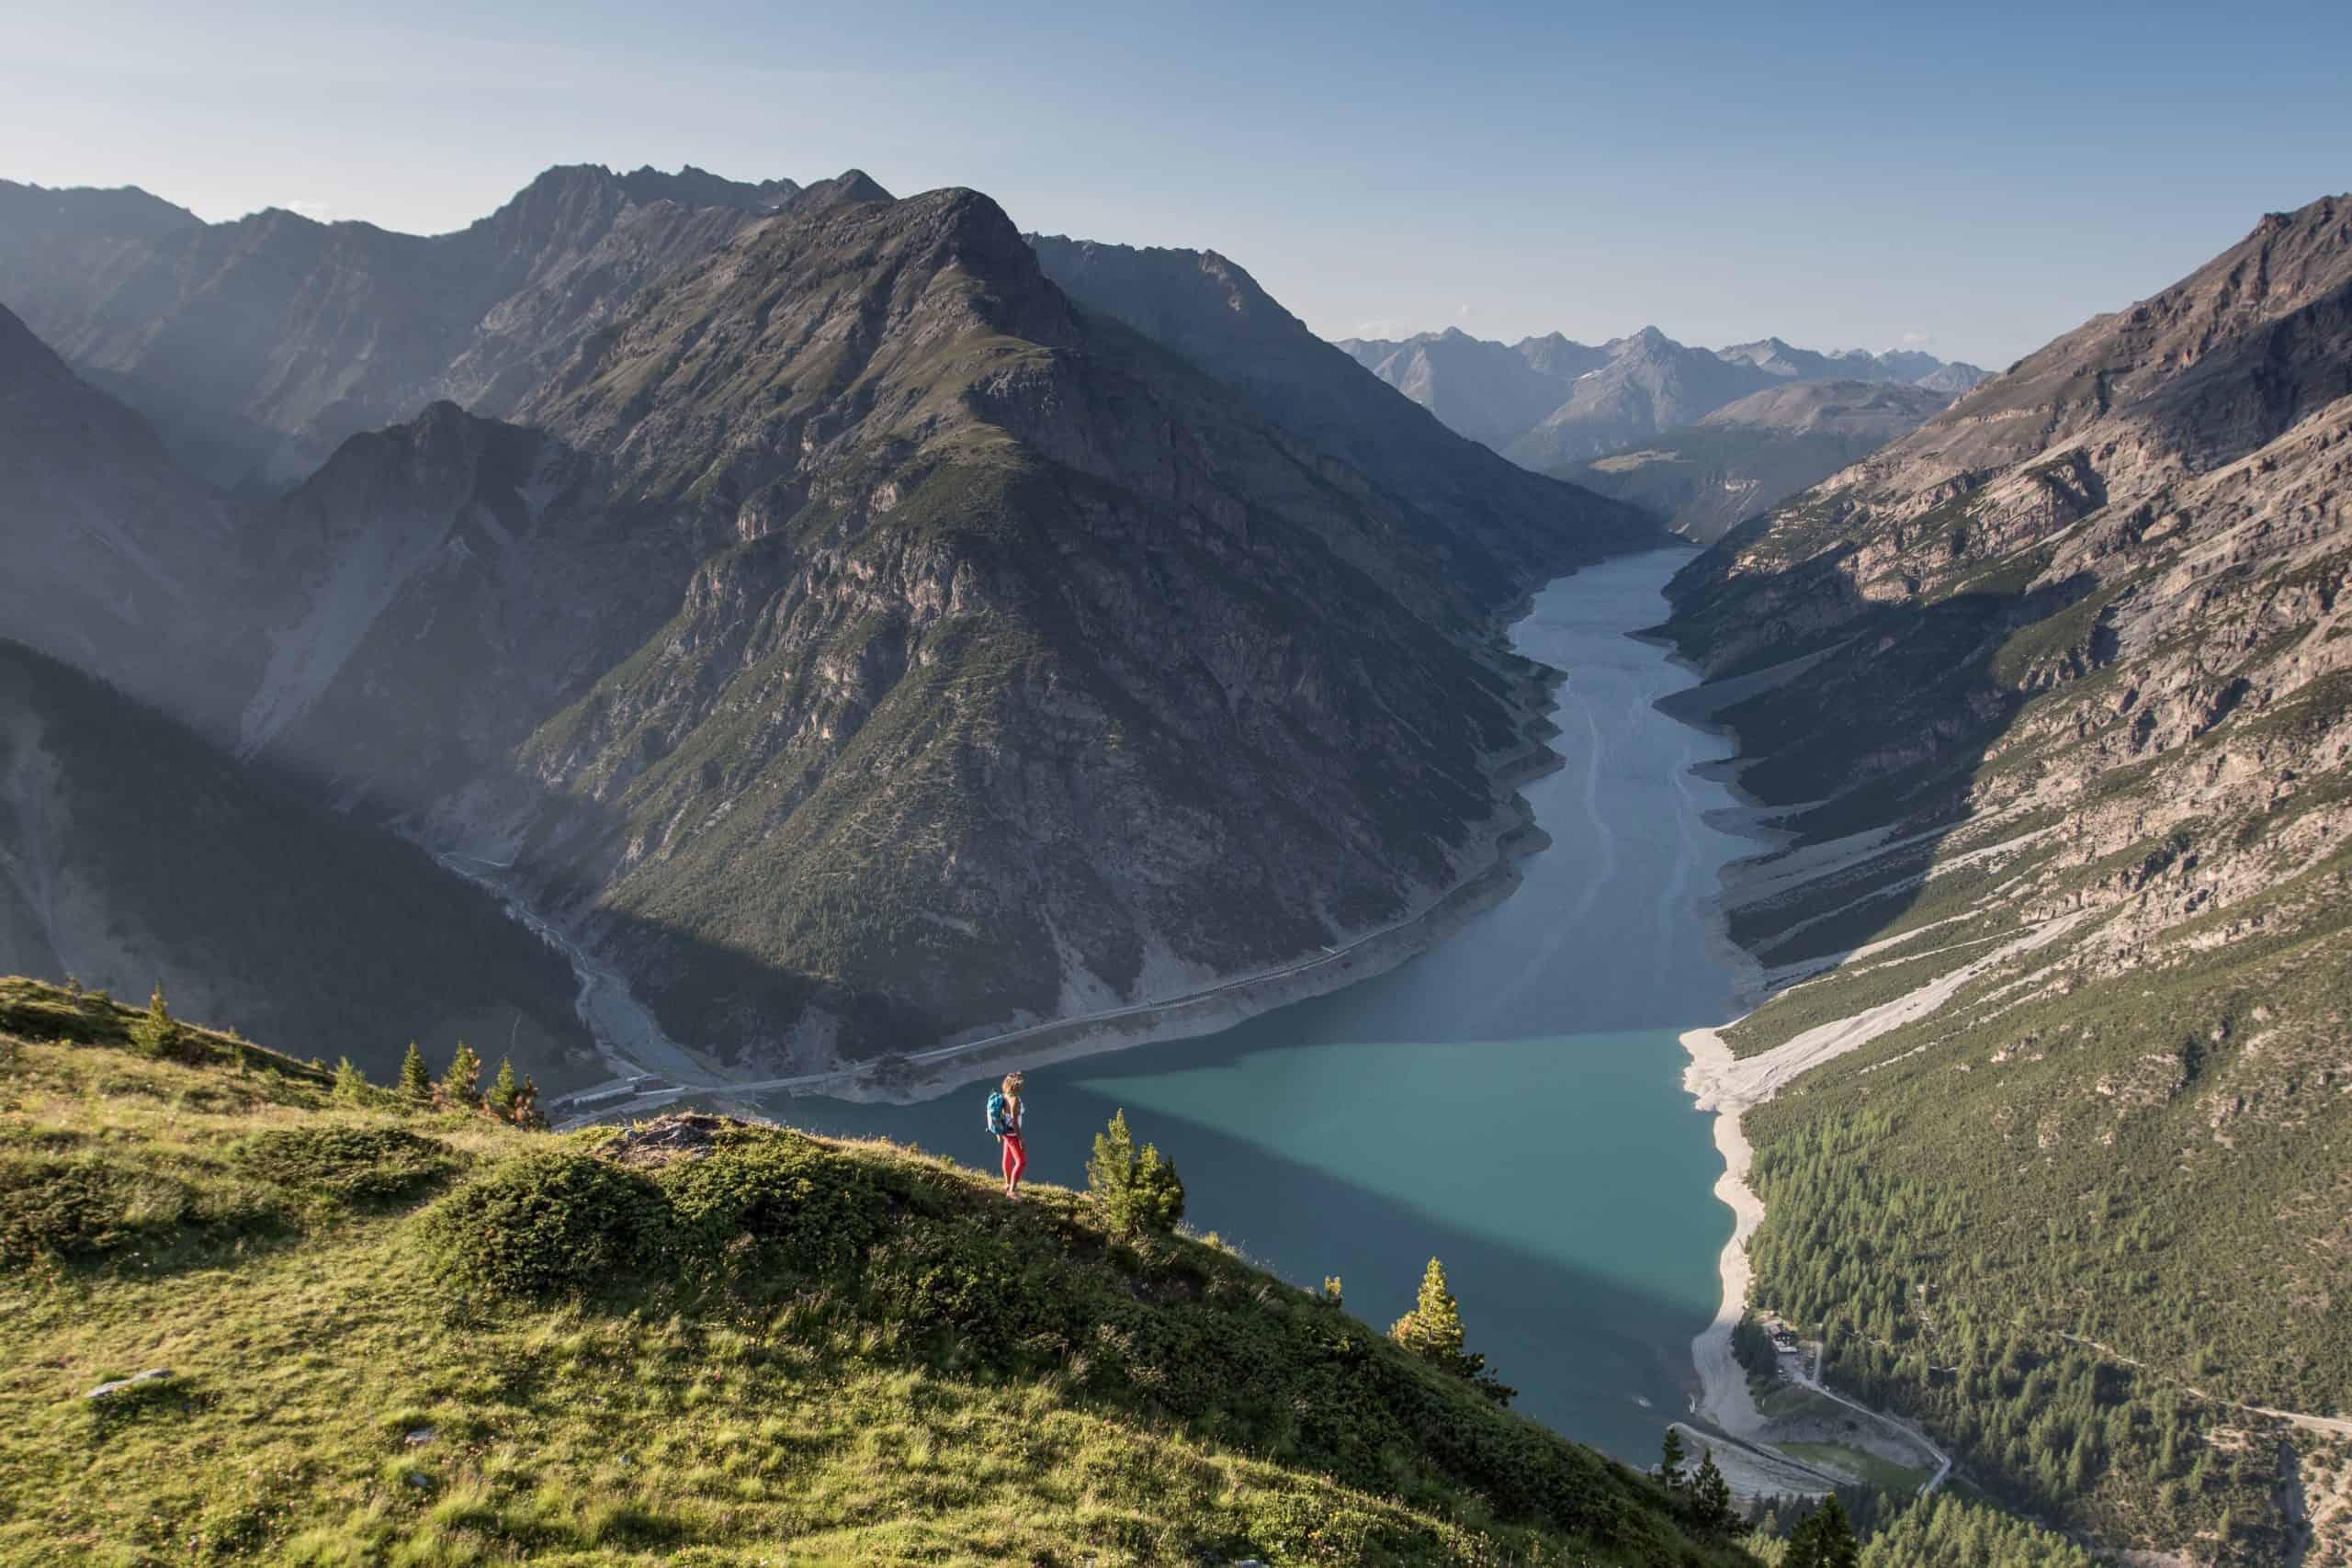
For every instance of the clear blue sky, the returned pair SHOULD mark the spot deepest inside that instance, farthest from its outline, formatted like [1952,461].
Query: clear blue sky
[1975,178]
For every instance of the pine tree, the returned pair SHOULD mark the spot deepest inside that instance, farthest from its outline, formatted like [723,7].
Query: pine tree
[506,1090]
[1432,1331]
[1670,1458]
[461,1085]
[416,1082]
[158,1033]
[1114,1161]
[1711,1497]
[1135,1193]
[1825,1539]
[527,1107]
[1159,1192]
[350,1083]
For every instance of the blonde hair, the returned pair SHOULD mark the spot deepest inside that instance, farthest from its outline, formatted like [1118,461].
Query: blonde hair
[1013,1082]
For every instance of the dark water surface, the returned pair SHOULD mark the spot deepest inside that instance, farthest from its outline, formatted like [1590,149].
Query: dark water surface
[1511,1102]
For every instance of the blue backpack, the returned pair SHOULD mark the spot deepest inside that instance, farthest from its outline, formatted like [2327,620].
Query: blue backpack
[998,1123]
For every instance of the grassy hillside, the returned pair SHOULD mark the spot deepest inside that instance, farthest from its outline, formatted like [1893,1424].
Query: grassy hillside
[400,1336]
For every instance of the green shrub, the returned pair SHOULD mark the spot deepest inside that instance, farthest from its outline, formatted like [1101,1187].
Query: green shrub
[353,1165]
[952,1275]
[547,1223]
[80,1208]
[1135,1193]
[158,1034]
[809,1208]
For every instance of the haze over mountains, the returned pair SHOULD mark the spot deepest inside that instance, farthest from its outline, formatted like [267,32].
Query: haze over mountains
[1756,451]
[1545,401]
[772,646]
[258,344]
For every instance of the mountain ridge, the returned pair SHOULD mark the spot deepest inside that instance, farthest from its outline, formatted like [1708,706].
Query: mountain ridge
[255,382]
[863,495]
[1545,401]
[2086,792]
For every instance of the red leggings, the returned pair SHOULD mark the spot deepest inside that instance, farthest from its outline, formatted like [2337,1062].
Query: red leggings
[1015,1159]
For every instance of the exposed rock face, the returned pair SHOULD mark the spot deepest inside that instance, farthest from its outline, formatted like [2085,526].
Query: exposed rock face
[1549,402]
[1750,454]
[861,642]
[2088,662]
[1875,411]
[257,345]
[1651,383]
[50,240]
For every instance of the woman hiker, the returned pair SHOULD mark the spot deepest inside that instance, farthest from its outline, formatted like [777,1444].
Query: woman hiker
[1005,1112]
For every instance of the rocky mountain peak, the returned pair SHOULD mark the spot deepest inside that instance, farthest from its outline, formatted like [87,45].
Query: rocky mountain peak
[700,187]
[850,188]
[796,333]
[2200,373]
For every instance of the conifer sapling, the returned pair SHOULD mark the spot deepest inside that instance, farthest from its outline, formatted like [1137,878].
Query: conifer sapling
[461,1085]
[1711,1496]
[157,1034]
[1432,1331]
[1135,1191]
[506,1090]
[416,1082]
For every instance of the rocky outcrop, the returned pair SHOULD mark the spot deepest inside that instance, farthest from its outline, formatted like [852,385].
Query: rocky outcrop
[1033,662]
[1485,528]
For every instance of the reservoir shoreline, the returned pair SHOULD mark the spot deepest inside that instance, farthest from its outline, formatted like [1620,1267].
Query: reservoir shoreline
[1498,847]
[1509,1099]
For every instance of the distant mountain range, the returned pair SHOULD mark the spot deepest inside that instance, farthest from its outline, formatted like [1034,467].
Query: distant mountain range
[1705,479]
[254,346]
[1545,401]
[853,624]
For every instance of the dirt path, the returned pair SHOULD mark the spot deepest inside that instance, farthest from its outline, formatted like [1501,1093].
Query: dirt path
[2326,1426]
[1810,1377]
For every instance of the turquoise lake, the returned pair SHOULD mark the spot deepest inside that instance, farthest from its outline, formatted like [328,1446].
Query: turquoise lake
[1510,1102]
